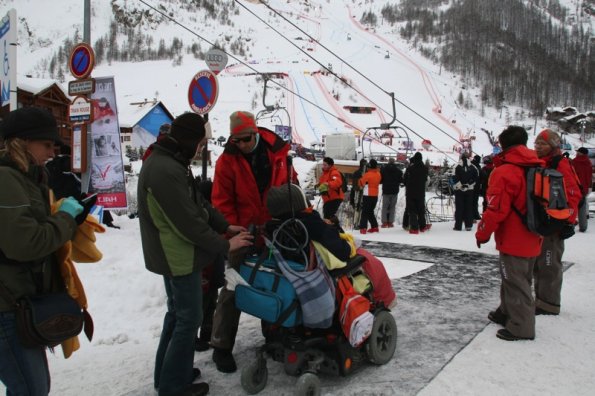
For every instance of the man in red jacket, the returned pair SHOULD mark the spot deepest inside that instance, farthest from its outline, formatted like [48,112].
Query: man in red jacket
[254,160]
[548,267]
[518,247]
[330,186]
[584,171]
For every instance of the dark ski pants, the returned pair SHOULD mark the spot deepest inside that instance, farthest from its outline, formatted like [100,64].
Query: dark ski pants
[516,297]
[417,213]
[463,209]
[330,208]
[368,206]
[548,274]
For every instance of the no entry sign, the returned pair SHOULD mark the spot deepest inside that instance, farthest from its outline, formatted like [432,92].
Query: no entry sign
[82,60]
[203,92]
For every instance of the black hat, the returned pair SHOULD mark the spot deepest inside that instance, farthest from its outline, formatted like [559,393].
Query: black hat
[188,128]
[416,157]
[582,150]
[279,204]
[373,164]
[30,123]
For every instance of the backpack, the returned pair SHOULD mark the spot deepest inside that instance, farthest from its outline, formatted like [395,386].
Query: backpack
[354,313]
[547,206]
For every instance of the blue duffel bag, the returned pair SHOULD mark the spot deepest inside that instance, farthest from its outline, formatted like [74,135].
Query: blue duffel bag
[270,296]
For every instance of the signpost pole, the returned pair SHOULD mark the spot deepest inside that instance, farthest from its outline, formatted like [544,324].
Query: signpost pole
[205,154]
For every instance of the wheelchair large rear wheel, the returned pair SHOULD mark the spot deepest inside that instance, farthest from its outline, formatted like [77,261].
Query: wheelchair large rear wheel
[382,342]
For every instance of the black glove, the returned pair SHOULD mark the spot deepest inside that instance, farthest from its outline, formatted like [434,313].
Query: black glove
[567,231]
[87,203]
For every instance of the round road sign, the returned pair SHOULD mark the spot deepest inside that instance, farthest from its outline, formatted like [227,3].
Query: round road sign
[82,60]
[203,91]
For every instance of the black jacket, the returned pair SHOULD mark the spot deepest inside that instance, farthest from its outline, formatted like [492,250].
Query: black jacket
[415,179]
[392,177]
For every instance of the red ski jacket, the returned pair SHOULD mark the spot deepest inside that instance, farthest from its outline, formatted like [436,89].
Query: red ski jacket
[235,193]
[507,186]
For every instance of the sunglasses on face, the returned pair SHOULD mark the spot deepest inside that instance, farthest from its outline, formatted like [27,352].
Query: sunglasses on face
[244,139]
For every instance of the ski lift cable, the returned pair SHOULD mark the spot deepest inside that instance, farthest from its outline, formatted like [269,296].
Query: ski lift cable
[393,98]
[347,83]
[256,71]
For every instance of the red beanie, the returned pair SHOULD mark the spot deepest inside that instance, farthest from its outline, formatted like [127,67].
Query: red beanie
[241,122]
[550,137]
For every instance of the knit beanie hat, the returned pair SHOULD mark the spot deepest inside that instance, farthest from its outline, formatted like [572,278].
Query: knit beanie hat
[188,129]
[242,122]
[550,137]
[32,123]
[582,150]
[416,157]
[279,203]
[373,164]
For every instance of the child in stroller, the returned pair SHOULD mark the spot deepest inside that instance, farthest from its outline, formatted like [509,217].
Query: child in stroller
[303,350]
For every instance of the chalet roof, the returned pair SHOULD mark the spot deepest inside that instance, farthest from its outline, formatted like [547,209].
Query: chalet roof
[37,85]
[130,114]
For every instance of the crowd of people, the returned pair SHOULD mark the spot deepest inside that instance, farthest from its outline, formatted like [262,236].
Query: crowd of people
[189,234]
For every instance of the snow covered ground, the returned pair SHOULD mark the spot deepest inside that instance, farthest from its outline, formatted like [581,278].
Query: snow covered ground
[444,348]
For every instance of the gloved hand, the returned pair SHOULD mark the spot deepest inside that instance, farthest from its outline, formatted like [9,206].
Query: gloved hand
[567,231]
[479,243]
[87,203]
[323,188]
[71,206]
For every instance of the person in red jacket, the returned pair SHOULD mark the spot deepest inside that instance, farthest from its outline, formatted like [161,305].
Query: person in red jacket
[584,171]
[548,268]
[253,161]
[330,186]
[370,183]
[518,247]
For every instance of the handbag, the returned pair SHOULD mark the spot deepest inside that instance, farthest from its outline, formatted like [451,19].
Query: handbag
[46,320]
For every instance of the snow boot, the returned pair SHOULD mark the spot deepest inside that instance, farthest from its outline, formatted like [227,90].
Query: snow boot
[497,317]
[506,335]
[224,360]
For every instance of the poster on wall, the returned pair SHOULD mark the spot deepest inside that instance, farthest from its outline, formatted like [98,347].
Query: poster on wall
[107,167]
[8,46]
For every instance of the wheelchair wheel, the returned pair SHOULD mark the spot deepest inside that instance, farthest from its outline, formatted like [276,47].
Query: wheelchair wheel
[382,343]
[254,377]
[307,385]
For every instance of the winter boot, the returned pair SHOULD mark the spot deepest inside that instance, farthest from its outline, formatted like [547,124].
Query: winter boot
[497,317]
[373,229]
[362,230]
[385,225]
[199,389]
[224,360]
[540,311]
[506,335]
[414,232]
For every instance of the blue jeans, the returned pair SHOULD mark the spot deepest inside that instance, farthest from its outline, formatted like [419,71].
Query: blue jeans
[24,371]
[175,353]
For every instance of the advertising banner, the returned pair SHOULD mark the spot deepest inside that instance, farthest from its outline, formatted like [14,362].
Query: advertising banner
[8,46]
[107,167]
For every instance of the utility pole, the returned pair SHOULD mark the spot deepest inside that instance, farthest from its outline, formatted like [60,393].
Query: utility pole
[87,22]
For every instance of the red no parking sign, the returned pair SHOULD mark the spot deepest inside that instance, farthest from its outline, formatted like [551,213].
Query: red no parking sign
[203,91]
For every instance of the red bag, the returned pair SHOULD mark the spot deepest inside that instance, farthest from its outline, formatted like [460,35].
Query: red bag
[354,313]
[382,289]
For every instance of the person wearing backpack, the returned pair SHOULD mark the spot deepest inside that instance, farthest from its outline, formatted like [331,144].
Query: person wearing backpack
[518,247]
[466,177]
[392,177]
[330,186]
[582,166]
[548,268]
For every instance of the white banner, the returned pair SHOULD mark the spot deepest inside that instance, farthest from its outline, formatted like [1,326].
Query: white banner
[106,168]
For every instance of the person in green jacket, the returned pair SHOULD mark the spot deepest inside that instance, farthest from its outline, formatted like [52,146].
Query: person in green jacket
[181,233]
[29,237]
